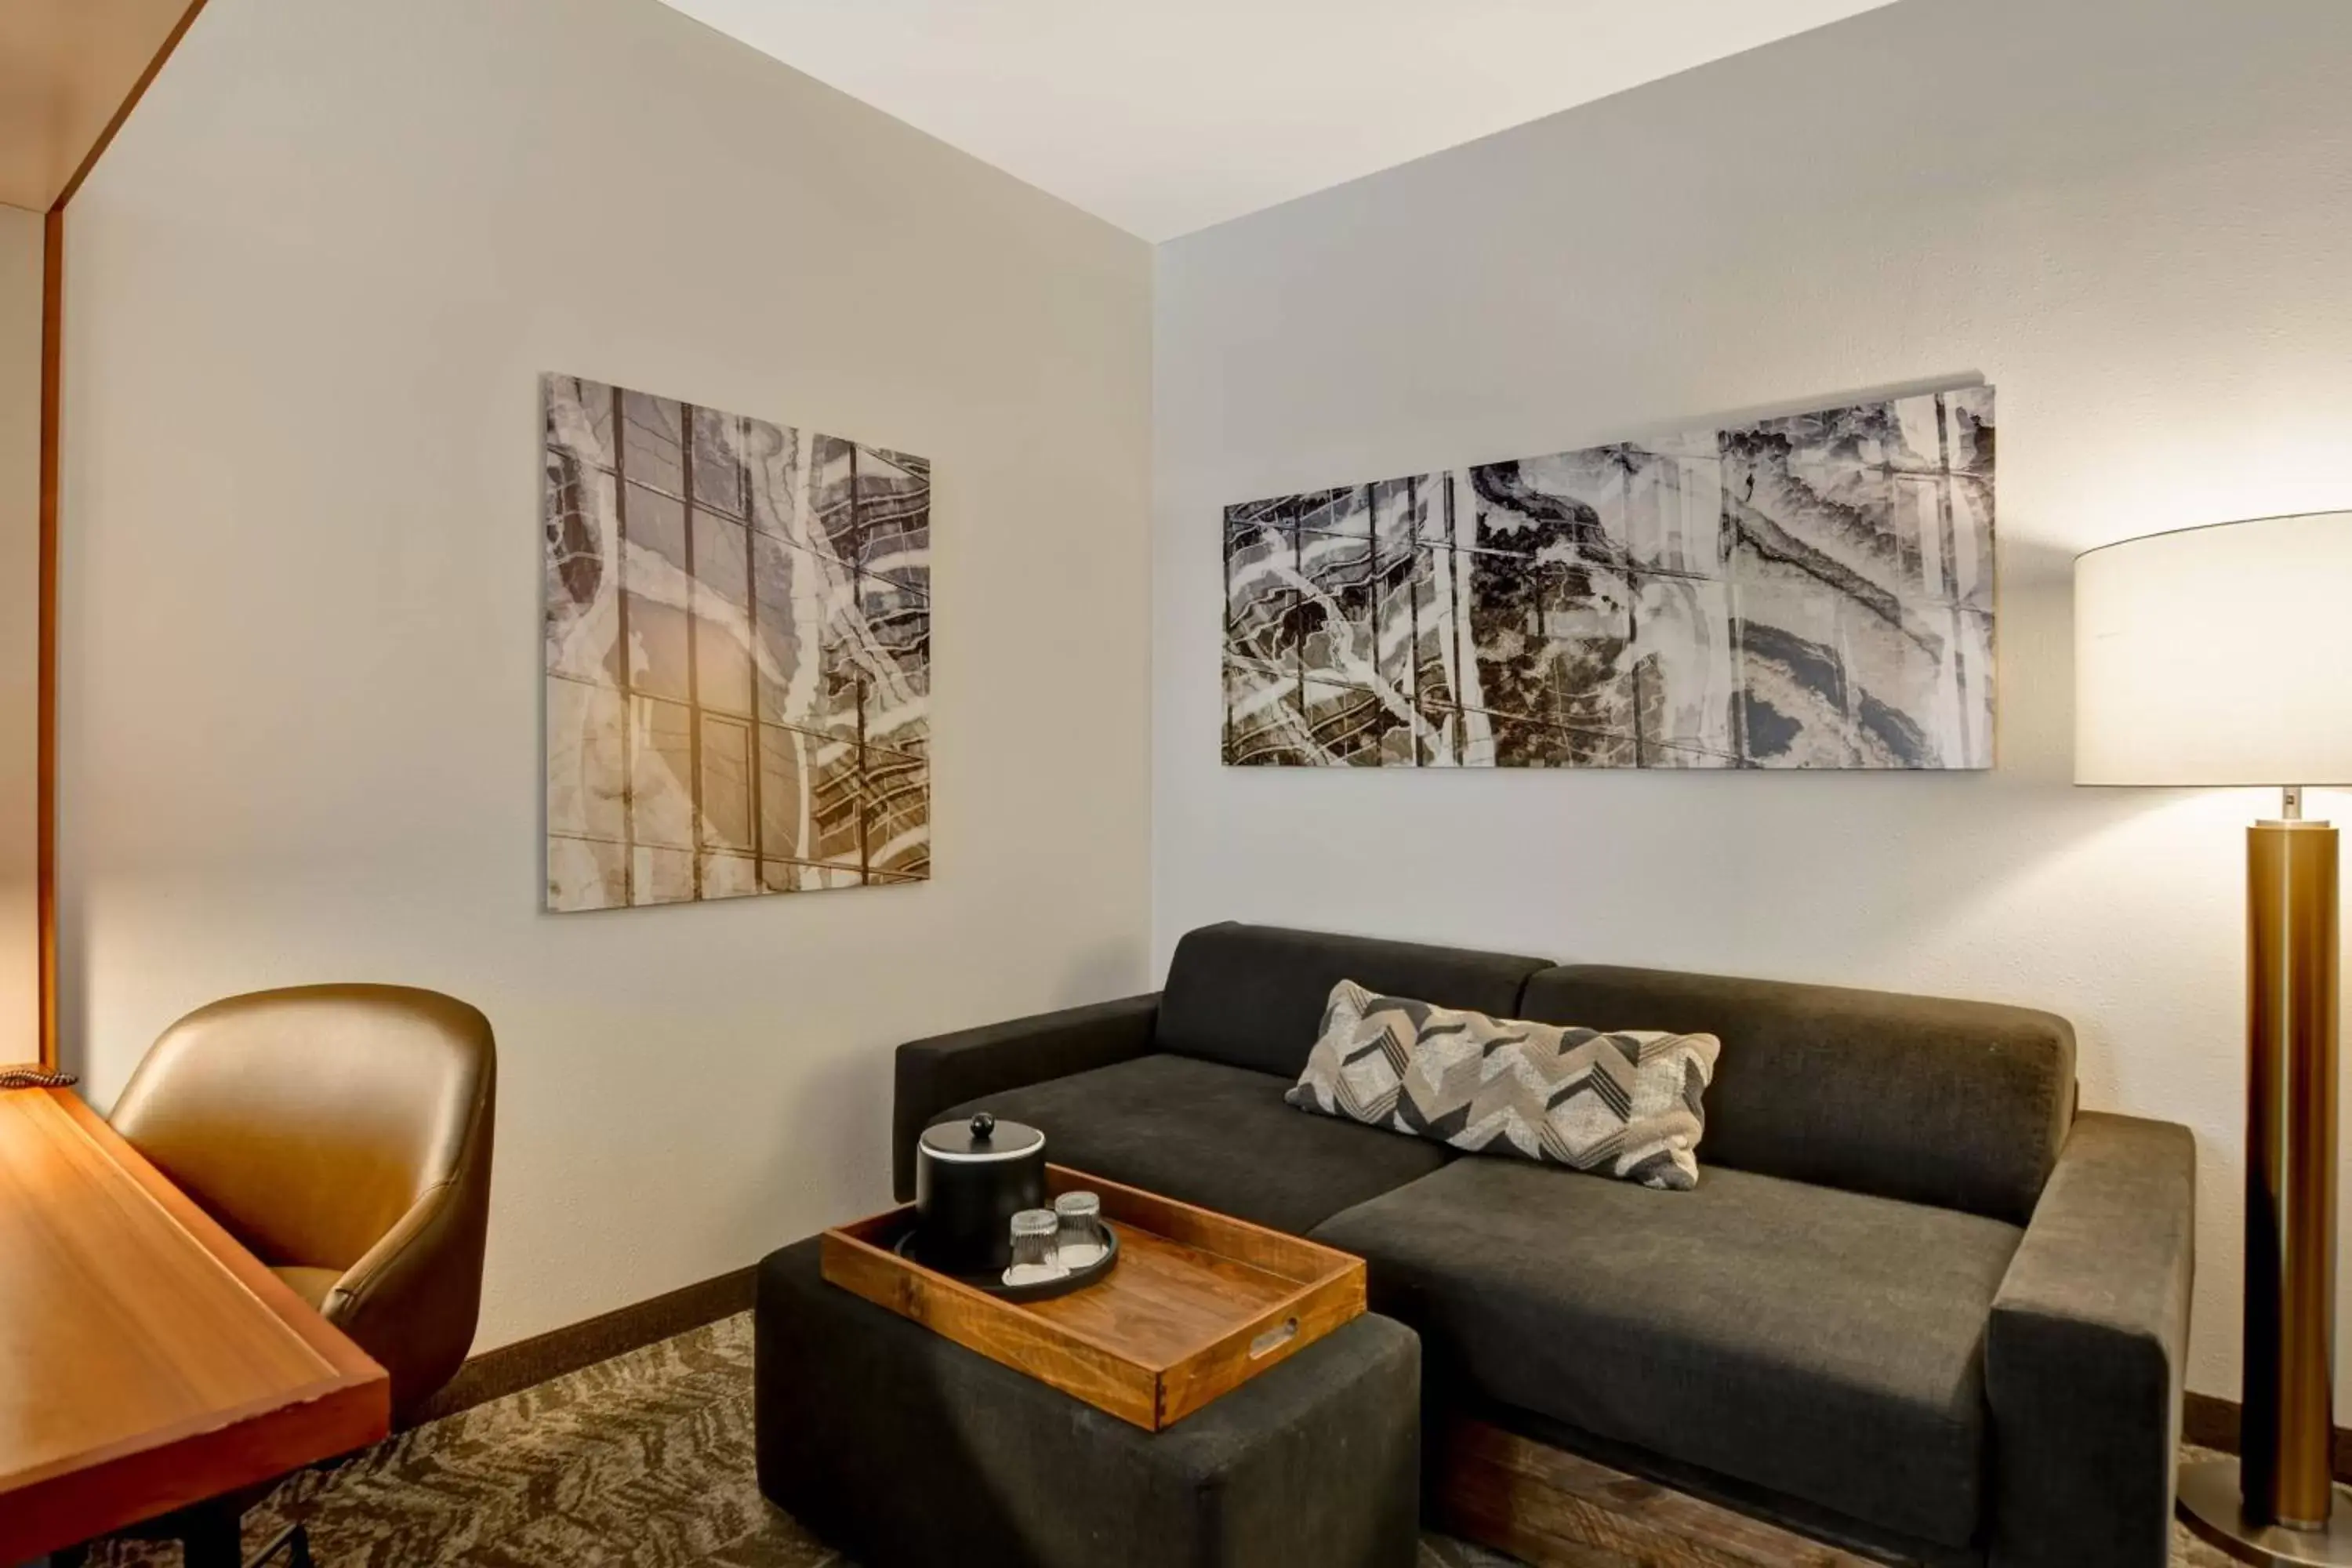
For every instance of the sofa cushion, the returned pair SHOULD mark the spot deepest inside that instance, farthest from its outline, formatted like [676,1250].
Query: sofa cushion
[1817,1342]
[1252,996]
[1958,1104]
[1217,1136]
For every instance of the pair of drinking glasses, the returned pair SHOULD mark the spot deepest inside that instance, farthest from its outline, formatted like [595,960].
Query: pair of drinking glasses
[1051,1244]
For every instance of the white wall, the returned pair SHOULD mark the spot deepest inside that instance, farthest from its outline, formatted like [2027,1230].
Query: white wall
[2131,216]
[20,544]
[314,282]
[311,290]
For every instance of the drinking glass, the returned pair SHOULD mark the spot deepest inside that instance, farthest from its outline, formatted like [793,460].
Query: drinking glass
[1035,1260]
[1078,1235]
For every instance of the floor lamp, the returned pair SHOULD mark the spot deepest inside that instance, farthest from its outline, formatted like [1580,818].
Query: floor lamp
[2223,655]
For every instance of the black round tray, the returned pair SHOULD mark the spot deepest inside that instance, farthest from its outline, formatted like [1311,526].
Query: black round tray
[1077,1280]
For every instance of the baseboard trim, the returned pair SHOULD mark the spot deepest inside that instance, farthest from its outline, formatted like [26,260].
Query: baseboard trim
[2212,1423]
[511,1369]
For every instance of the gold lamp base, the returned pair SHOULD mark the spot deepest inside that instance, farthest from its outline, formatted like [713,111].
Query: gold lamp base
[2211,1505]
[2277,1503]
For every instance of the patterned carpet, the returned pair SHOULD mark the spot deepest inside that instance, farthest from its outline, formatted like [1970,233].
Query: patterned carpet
[642,1461]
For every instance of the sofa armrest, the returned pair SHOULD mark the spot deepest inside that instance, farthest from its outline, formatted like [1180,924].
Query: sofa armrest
[2085,1353]
[948,1069]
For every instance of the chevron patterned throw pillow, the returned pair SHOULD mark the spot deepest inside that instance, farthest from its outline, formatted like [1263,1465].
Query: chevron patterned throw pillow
[1623,1101]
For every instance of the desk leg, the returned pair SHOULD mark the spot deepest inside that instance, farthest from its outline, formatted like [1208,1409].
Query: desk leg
[213,1538]
[293,1541]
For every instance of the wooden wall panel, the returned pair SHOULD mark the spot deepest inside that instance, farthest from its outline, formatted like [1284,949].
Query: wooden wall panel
[71,73]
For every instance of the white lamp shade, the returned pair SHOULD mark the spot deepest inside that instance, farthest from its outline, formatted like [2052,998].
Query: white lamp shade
[2217,656]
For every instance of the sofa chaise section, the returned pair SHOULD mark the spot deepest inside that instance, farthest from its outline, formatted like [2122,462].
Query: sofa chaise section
[1819,1343]
[1916,1304]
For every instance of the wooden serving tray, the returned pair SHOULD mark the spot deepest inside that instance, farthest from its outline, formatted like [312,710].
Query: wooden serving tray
[1198,1304]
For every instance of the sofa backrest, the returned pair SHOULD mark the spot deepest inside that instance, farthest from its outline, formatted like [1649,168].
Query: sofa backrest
[1958,1104]
[1253,996]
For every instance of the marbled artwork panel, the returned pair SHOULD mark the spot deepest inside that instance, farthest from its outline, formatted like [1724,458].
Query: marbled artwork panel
[1265,713]
[737,622]
[1813,590]
[1793,703]
[1346,723]
[1682,661]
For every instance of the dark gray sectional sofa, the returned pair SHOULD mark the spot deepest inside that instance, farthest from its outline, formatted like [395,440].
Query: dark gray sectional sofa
[1917,1305]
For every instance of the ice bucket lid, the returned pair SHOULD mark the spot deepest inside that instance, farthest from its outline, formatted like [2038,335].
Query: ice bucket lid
[981,1140]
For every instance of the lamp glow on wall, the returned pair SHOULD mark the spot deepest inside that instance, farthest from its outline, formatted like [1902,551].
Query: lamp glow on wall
[2223,655]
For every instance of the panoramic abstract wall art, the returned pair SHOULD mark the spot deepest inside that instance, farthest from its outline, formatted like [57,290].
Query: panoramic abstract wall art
[1814,591]
[738,635]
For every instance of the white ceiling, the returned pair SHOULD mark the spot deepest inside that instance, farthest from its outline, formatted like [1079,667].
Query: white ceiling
[1165,116]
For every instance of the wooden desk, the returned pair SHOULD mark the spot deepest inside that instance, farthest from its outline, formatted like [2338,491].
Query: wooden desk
[147,1361]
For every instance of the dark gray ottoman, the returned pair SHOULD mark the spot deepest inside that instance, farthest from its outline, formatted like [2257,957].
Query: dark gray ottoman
[906,1450]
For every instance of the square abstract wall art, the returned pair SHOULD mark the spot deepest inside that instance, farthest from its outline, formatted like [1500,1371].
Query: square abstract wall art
[1814,591]
[737,632]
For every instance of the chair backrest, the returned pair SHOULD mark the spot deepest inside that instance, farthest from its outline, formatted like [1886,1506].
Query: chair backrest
[1253,996]
[1958,1104]
[310,1120]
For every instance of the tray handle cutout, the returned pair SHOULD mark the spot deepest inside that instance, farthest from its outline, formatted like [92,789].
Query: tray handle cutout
[1274,1339]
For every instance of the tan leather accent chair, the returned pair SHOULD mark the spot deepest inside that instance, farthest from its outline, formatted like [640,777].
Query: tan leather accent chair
[341,1133]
